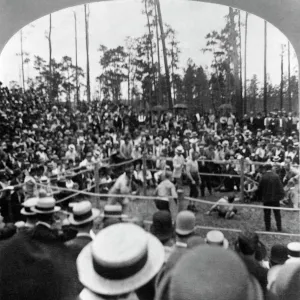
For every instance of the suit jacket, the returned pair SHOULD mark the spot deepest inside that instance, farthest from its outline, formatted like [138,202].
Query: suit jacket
[36,265]
[78,243]
[270,188]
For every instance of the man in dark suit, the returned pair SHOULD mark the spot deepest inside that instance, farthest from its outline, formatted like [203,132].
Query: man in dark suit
[270,191]
[258,122]
[82,219]
[35,264]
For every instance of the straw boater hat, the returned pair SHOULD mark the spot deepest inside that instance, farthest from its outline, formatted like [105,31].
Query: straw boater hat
[45,204]
[293,252]
[216,238]
[179,150]
[28,204]
[83,213]
[122,258]
[113,211]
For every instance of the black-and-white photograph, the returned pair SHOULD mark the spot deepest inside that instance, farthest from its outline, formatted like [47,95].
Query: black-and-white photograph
[149,150]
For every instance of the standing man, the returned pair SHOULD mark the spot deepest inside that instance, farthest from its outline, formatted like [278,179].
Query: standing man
[82,219]
[178,165]
[270,191]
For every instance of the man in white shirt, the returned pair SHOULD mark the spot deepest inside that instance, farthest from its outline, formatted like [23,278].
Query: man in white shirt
[124,186]
[178,165]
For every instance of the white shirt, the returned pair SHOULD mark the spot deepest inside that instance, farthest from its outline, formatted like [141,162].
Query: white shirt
[44,224]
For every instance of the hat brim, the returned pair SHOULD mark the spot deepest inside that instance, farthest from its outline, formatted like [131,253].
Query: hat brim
[225,243]
[95,214]
[184,232]
[122,216]
[42,212]
[26,213]
[100,285]
[88,295]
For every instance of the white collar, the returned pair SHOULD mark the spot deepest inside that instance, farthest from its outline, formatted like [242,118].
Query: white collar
[181,245]
[92,234]
[79,234]
[29,225]
[44,224]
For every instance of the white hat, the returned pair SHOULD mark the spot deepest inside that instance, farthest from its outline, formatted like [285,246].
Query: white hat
[28,204]
[179,149]
[216,238]
[166,141]
[45,204]
[83,213]
[113,211]
[122,258]
[45,179]
[293,252]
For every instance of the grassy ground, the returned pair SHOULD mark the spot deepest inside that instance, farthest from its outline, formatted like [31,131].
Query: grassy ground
[251,218]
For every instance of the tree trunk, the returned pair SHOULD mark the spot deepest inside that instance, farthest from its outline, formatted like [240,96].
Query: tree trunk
[129,66]
[234,59]
[151,44]
[76,61]
[265,71]
[289,78]
[22,60]
[88,86]
[241,64]
[281,80]
[245,64]
[50,56]
[158,59]
[165,55]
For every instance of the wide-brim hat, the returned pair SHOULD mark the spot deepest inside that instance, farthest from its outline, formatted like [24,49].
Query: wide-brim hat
[102,274]
[45,205]
[179,150]
[113,211]
[83,216]
[216,238]
[28,205]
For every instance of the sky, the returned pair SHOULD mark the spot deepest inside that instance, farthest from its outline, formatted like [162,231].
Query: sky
[111,22]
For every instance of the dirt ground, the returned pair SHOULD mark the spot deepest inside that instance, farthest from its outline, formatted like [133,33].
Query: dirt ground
[251,218]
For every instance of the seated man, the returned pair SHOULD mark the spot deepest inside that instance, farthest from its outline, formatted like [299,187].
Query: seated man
[224,207]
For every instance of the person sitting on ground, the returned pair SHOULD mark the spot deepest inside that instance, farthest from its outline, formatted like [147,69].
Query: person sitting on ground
[224,207]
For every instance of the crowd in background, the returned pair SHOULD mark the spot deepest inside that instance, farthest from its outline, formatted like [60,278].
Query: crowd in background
[47,256]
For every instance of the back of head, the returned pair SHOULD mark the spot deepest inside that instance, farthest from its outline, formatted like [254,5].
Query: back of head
[185,223]
[31,270]
[287,284]
[247,242]
[209,273]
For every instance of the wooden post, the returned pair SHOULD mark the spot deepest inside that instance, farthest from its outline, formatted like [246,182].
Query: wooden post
[145,181]
[97,190]
[242,178]
[180,200]
[144,175]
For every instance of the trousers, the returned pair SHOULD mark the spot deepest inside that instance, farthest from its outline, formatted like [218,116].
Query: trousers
[277,215]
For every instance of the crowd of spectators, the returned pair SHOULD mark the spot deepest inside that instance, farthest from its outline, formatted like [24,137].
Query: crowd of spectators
[53,250]
[60,145]
[123,260]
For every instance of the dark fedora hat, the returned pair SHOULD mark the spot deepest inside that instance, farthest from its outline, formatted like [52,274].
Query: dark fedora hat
[162,226]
